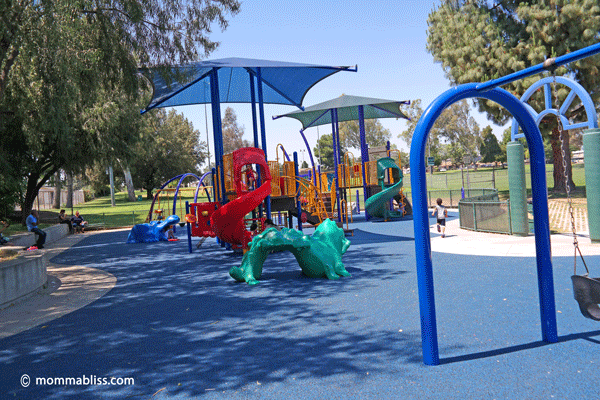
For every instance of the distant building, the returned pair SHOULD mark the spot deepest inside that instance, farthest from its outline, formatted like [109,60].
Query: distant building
[577,157]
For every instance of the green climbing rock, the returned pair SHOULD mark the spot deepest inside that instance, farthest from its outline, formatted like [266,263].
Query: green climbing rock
[319,255]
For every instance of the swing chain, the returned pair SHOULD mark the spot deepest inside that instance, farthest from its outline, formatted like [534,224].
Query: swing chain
[566,178]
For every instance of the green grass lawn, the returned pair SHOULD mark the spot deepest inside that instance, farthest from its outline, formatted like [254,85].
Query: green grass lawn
[124,214]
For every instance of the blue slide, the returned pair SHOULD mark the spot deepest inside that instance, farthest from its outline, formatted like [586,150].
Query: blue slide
[154,231]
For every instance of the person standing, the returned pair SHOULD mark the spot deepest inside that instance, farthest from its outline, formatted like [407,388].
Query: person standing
[32,222]
[442,214]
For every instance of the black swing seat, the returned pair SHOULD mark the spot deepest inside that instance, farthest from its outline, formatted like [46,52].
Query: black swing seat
[587,293]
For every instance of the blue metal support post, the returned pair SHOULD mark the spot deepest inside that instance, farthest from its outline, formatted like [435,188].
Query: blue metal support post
[263,133]
[364,154]
[298,202]
[189,229]
[215,102]
[256,141]
[336,157]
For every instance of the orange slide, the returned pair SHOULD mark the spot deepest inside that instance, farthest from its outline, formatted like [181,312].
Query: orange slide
[228,220]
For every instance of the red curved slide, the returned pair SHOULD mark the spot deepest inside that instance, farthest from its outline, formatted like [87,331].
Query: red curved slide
[228,220]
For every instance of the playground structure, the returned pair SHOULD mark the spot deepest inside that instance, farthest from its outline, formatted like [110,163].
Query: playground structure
[378,205]
[347,175]
[164,190]
[227,221]
[488,90]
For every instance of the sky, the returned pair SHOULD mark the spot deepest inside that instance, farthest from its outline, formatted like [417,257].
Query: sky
[385,39]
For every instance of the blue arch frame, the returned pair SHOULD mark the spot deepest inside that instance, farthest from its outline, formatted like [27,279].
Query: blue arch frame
[421,218]
[576,90]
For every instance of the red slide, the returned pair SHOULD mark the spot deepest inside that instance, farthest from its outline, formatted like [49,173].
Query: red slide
[228,220]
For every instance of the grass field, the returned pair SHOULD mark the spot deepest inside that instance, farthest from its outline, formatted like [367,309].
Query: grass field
[99,212]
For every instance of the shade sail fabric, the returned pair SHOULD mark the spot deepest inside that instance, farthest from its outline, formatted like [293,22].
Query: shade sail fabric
[284,82]
[347,109]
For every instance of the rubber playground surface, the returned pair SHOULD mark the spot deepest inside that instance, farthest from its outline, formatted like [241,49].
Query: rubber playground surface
[183,329]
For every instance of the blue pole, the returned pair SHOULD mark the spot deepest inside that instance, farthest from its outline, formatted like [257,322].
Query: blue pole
[312,161]
[215,103]
[364,153]
[256,140]
[336,161]
[263,133]
[388,147]
[189,229]
[298,203]
[253,101]
[421,218]
[549,64]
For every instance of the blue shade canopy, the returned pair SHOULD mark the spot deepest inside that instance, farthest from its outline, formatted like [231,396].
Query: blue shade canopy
[283,82]
[347,110]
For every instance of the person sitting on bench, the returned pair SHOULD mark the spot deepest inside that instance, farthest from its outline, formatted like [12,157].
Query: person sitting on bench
[62,219]
[78,222]
[5,225]
[32,226]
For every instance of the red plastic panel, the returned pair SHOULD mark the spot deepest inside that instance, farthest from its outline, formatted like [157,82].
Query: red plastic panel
[203,211]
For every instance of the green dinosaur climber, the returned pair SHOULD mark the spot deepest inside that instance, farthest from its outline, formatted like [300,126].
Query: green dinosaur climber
[319,255]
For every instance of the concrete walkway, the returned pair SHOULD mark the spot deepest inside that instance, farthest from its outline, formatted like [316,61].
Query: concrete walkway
[69,288]
[462,241]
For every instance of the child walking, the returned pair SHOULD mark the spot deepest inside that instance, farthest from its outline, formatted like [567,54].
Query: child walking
[442,213]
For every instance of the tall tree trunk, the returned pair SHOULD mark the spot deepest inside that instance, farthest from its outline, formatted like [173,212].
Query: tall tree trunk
[35,181]
[69,192]
[57,190]
[559,173]
[129,184]
[30,195]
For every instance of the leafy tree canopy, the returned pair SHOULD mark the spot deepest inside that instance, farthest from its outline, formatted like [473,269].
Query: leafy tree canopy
[478,40]
[489,148]
[324,151]
[375,134]
[454,127]
[68,75]
[233,134]
[169,146]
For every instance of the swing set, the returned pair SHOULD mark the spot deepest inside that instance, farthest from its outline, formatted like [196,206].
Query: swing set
[586,289]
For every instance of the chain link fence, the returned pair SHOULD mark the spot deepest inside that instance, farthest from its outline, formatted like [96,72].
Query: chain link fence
[485,213]
[452,197]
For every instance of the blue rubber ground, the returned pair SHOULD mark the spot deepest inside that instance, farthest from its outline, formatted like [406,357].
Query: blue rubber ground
[180,326]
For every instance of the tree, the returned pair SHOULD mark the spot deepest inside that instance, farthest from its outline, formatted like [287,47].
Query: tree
[454,127]
[233,134]
[61,60]
[478,40]
[325,147]
[304,164]
[489,148]
[375,134]
[169,146]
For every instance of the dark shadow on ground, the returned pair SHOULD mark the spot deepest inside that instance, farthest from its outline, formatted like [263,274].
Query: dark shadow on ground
[362,237]
[526,346]
[177,320]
